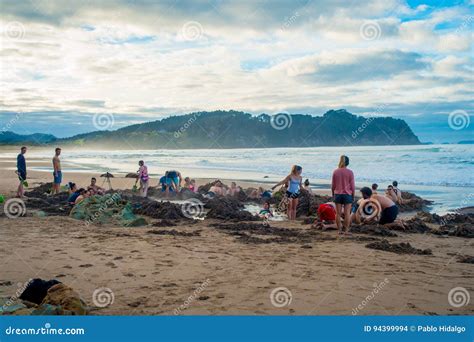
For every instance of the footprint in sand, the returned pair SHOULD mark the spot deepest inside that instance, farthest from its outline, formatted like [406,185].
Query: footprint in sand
[86,265]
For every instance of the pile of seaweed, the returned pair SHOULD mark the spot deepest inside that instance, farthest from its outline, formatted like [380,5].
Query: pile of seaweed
[159,210]
[398,248]
[39,198]
[228,208]
[454,224]
[373,229]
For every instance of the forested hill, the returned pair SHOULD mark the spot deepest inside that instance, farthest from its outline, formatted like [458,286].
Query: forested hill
[231,129]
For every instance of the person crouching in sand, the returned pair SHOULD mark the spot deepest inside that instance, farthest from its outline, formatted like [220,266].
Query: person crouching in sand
[388,208]
[343,192]
[326,216]
[294,185]
[143,177]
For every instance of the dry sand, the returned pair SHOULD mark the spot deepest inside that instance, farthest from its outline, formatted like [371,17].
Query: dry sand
[153,274]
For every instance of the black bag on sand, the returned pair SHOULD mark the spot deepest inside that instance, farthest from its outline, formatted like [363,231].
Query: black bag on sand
[37,290]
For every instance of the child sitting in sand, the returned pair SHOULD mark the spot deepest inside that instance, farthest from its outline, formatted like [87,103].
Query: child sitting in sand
[375,186]
[266,213]
[94,188]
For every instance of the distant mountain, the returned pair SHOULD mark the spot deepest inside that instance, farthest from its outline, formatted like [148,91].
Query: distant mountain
[8,137]
[231,129]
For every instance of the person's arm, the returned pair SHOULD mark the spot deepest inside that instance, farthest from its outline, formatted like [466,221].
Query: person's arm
[353,185]
[281,183]
[333,183]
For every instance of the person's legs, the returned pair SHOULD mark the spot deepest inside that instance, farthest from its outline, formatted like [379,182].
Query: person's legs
[347,216]
[338,216]
[145,189]
[290,209]
[295,205]
[20,191]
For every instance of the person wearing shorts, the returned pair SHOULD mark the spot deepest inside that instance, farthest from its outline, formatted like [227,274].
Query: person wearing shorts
[21,171]
[173,180]
[57,174]
[293,183]
[326,216]
[343,192]
[389,211]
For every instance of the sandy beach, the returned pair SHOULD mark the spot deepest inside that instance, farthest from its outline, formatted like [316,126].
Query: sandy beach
[197,268]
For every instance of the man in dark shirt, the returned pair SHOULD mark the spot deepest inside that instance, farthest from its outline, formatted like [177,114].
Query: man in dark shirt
[21,171]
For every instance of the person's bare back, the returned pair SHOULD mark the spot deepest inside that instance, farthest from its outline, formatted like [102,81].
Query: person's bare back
[384,201]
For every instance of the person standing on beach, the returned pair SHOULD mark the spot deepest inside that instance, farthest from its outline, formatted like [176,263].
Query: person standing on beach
[294,184]
[143,177]
[21,171]
[57,173]
[343,192]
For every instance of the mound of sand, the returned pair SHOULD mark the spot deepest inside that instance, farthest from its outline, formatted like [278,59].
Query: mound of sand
[398,248]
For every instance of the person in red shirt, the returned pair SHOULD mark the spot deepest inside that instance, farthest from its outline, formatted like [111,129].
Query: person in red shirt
[343,192]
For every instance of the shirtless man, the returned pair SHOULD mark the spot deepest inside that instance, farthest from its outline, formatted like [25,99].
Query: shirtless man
[58,177]
[389,209]
[234,189]
[94,188]
[217,189]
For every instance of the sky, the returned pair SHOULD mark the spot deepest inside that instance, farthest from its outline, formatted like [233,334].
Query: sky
[70,67]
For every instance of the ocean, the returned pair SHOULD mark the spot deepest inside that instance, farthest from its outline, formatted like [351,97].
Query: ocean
[442,173]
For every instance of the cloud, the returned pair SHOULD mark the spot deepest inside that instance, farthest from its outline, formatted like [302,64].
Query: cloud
[133,58]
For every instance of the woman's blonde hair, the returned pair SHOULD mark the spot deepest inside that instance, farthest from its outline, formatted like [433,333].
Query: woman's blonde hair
[343,161]
[295,169]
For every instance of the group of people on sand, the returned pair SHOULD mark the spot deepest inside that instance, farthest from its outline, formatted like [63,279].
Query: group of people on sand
[339,213]
[172,182]
[343,210]
[78,195]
